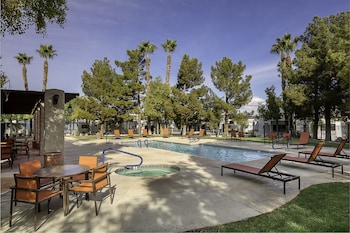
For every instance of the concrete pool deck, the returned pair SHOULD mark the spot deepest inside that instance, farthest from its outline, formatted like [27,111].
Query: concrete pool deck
[196,197]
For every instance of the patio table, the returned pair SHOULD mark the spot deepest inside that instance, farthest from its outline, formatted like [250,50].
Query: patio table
[61,172]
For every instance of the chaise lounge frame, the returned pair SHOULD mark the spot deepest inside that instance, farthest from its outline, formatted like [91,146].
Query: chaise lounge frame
[266,171]
[312,160]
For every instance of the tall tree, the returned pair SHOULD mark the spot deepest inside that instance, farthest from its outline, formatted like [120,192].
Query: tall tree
[190,75]
[323,68]
[46,52]
[23,60]
[284,47]
[105,91]
[147,48]
[229,78]
[272,109]
[133,72]
[18,15]
[169,47]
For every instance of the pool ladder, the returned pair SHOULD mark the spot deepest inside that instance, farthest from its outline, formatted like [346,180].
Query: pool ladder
[125,152]
[139,143]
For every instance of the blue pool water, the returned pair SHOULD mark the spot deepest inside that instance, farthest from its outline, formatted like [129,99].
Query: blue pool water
[226,154]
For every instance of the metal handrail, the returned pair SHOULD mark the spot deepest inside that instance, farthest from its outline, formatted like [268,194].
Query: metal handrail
[125,152]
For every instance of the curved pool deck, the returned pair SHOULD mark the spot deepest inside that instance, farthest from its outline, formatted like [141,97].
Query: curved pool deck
[197,196]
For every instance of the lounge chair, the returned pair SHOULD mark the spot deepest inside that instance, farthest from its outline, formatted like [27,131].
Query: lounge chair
[190,134]
[144,133]
[241,135]
[130,133]
[165,133]
[233,135]
[312,160]
[336,153]
[265,171]
[117,134]
[196,138]
[271,137]
[303,139]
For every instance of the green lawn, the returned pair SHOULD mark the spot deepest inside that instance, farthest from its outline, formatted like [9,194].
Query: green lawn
[319,208]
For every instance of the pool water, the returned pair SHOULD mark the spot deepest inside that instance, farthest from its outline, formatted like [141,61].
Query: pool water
[221,153]
[148,170]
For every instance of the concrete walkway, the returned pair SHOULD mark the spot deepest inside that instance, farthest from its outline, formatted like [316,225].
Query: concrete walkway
[197,196]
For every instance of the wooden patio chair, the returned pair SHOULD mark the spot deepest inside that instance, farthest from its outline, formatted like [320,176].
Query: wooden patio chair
[303,139]
[312,160]
[27,190]
[266,171]
[131,133]
[7,154]
[144,133]
[86,160]
[337,152]
[233,135]
[30,167]
[117,134]
[190,134]
[100,178]
[165,133]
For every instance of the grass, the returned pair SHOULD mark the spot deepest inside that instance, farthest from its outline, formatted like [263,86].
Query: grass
[319,208]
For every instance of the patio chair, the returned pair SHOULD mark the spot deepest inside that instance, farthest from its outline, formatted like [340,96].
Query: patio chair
[303,139]
[86,160]
[130,133]
[27,190]
[312,160]
[337,152]
[196,138]
[190,134]
[117,134]
[241,135]
[271,137]
[30,167]
[100,178]
[7,154]
[165,133]
[144,133]
[266,171]
[233,135]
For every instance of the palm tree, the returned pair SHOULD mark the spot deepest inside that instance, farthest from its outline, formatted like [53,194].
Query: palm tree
[23,59]
[46,52]
[284,47]
[147,48]
[169,47]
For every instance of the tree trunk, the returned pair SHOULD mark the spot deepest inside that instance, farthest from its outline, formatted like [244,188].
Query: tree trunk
[327,116]
[46,71]
[168,69]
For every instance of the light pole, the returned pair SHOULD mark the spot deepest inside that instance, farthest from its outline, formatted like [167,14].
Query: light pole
[70,120]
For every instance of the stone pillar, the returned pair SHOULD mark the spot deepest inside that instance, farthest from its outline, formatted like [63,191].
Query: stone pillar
[52,125]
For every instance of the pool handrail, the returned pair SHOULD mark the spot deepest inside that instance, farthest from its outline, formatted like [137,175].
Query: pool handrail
[125,152]
[278,140]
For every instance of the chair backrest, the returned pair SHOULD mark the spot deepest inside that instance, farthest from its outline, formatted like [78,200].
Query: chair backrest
[241,134]
[190,134]
[117,133]
[201,133]
[165,132]
[272,163]
[100,176]
[272,135]
[130,132]
[26,188]
[10,141]
[286,136]
[315,152]
[144,132]
[6,151]
[28,168]
[340,147]
[233,133]
[88,160]
[304,137]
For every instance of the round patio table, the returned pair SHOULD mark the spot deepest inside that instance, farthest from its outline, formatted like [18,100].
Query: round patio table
[61,172]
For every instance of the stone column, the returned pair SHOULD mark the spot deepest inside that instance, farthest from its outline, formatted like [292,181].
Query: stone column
[52,125]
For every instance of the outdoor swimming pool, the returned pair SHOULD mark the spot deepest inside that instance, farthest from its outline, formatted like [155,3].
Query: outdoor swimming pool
[226,154]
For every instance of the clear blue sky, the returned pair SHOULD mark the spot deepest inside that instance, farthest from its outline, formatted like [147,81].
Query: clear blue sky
[204,29]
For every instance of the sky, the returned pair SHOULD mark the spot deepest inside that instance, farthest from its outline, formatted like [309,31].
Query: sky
[242,30]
